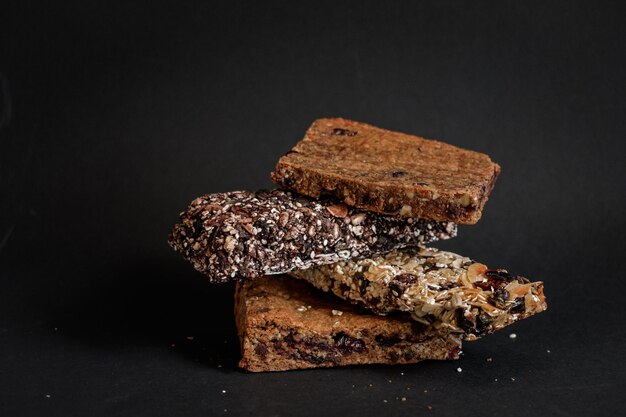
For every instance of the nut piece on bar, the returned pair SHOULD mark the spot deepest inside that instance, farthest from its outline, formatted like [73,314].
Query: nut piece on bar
[443,289]
[243,235]
[287,324]
[388,172]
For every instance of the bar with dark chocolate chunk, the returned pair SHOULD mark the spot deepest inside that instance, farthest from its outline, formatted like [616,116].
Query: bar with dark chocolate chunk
[388,172]
[438,288]
[244,235]
[286,324]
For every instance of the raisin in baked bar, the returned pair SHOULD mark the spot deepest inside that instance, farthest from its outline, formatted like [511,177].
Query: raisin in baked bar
[440,288]
[287,324]
[388,172]
[244,235]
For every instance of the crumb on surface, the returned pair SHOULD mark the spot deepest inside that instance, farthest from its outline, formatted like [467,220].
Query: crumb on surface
[459,369]
[512,336]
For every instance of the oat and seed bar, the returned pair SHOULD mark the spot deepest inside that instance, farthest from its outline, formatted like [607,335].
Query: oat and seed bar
[244,235]
[440,288]
[388,172]
[286,324]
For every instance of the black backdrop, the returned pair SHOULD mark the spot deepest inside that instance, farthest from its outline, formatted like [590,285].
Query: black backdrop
[121,113]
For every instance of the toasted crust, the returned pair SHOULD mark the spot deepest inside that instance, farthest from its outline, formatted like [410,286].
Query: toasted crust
[286,324]
[388,172]
[244,235]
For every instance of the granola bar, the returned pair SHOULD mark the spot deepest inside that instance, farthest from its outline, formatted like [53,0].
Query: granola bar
[287,324]
[388,172]
[440,288]
[244,235]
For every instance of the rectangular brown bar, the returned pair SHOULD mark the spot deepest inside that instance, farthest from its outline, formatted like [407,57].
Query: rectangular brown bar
[286,324]
[388,172]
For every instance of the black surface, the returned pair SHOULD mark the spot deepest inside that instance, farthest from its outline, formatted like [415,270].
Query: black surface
[123,113]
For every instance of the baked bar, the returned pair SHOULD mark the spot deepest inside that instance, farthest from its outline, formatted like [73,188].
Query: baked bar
[244,235]
[287,324]
[388,172]
[443,289]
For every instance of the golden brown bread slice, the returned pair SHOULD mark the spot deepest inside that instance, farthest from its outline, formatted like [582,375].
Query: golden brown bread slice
[388,172]
[287,324]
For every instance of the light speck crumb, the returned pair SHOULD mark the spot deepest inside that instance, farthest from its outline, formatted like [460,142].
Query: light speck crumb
[496,380]
[301,309]
[403,398]
[219,366]
[459,369]
[337,312]
[189,337]
[173,345]
[430,407]
[548,350]
[402,373]
[384,401]
[512,336]
[226,410]
[489,359]
[512,379]
[47,395]
[390,381]
[425,391]
[223,391]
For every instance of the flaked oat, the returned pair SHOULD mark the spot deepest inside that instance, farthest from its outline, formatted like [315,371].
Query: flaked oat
[439,288]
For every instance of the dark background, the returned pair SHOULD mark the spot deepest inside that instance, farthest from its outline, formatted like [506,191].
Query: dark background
[120,113]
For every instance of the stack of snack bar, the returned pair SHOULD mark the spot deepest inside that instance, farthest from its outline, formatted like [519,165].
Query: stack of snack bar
[332,268]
